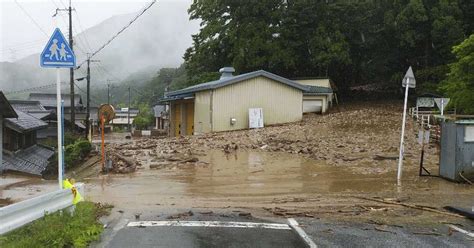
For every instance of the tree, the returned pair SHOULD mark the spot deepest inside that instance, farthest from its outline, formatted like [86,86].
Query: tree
[145,118]
[352,42]
[459,85]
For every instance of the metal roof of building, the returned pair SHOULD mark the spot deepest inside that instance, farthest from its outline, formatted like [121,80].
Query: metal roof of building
[6,108]
[24,122]
[32,160]
[316,90]
[465,122]
[231,80]
[48,100]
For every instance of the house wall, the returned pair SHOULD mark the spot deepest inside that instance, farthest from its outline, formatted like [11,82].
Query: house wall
[1,140]
[315,82]
[323,98]
[280,103]
[202,112]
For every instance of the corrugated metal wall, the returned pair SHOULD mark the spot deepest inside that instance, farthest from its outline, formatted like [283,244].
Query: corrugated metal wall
[202,112]
[280,103]
[457,155]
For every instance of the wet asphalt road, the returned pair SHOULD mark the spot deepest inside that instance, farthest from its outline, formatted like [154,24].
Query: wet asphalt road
[204,237]
[324,233]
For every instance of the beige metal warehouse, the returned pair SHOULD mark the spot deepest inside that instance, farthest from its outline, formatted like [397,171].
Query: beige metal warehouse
[224,104]
[319,95]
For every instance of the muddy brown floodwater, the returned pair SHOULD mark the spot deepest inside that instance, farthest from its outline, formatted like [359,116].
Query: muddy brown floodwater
[271,182]
[329,166]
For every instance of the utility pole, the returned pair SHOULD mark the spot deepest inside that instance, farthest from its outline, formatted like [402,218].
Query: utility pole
[88,95]
[88,111]
[71,70]
[88,78]
[128,114]
[71,74]
[108,93]
[109,85]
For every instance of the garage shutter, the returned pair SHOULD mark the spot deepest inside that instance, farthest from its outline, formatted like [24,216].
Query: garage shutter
[310,106]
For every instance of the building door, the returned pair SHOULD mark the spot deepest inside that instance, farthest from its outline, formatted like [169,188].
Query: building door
[177,119]
[190,118]
[312,106]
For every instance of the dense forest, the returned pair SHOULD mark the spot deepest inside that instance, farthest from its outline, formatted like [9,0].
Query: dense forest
[352,42]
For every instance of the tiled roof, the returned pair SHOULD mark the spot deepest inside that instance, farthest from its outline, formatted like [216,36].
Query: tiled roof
[6,109]
[48,100]
[33,108]
[24,122]
[32,160]
[27,106]
[40,114]
[234,79]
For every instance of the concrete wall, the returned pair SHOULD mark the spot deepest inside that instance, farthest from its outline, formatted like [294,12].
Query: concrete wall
[280,103]
[202,112]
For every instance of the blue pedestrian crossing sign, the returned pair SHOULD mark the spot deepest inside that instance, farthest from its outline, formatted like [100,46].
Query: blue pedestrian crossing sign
[57,52]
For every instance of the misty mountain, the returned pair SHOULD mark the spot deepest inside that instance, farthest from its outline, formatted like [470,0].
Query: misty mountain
[157,39]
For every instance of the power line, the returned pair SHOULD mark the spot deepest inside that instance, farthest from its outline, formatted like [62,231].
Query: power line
[31,18]
[120,31]
[82,31]
[57,7]
[85,92]
[32,88]
[108,73]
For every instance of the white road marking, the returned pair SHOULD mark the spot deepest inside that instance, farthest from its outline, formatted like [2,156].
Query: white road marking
[470,234]
[210,224]
[295,226]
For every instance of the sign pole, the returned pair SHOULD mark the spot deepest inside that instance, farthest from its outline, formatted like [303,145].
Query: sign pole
[59,125]
[442,107]
[58,54]
[400,157]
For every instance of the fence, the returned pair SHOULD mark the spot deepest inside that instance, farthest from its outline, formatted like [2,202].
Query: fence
[24,212]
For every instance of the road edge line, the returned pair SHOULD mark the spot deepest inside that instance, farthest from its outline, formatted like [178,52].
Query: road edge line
[301,233]
[276,226]
[470,234]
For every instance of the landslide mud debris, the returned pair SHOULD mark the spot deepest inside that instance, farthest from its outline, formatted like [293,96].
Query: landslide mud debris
[364,138]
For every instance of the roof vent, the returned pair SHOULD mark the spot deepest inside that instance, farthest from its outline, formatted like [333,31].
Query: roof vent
[226,72]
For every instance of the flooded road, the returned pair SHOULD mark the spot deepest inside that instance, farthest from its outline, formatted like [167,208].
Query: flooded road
[256,180]
[15,188]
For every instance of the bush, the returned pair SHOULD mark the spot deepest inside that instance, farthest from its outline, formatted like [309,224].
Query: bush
[76,152]
[60,229]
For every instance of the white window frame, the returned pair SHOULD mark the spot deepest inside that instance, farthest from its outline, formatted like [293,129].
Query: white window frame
[468,133]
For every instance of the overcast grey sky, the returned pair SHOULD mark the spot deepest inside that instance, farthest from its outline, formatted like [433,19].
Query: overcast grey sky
[21,35]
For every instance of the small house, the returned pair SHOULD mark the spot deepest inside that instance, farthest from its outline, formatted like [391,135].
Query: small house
[49,102]
[21,153]
[319,94]
[426,102]
[160,114]
[123,117]
[35,109]
[224,104]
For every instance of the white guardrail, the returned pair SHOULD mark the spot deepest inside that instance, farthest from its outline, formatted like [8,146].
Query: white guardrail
[24,212]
